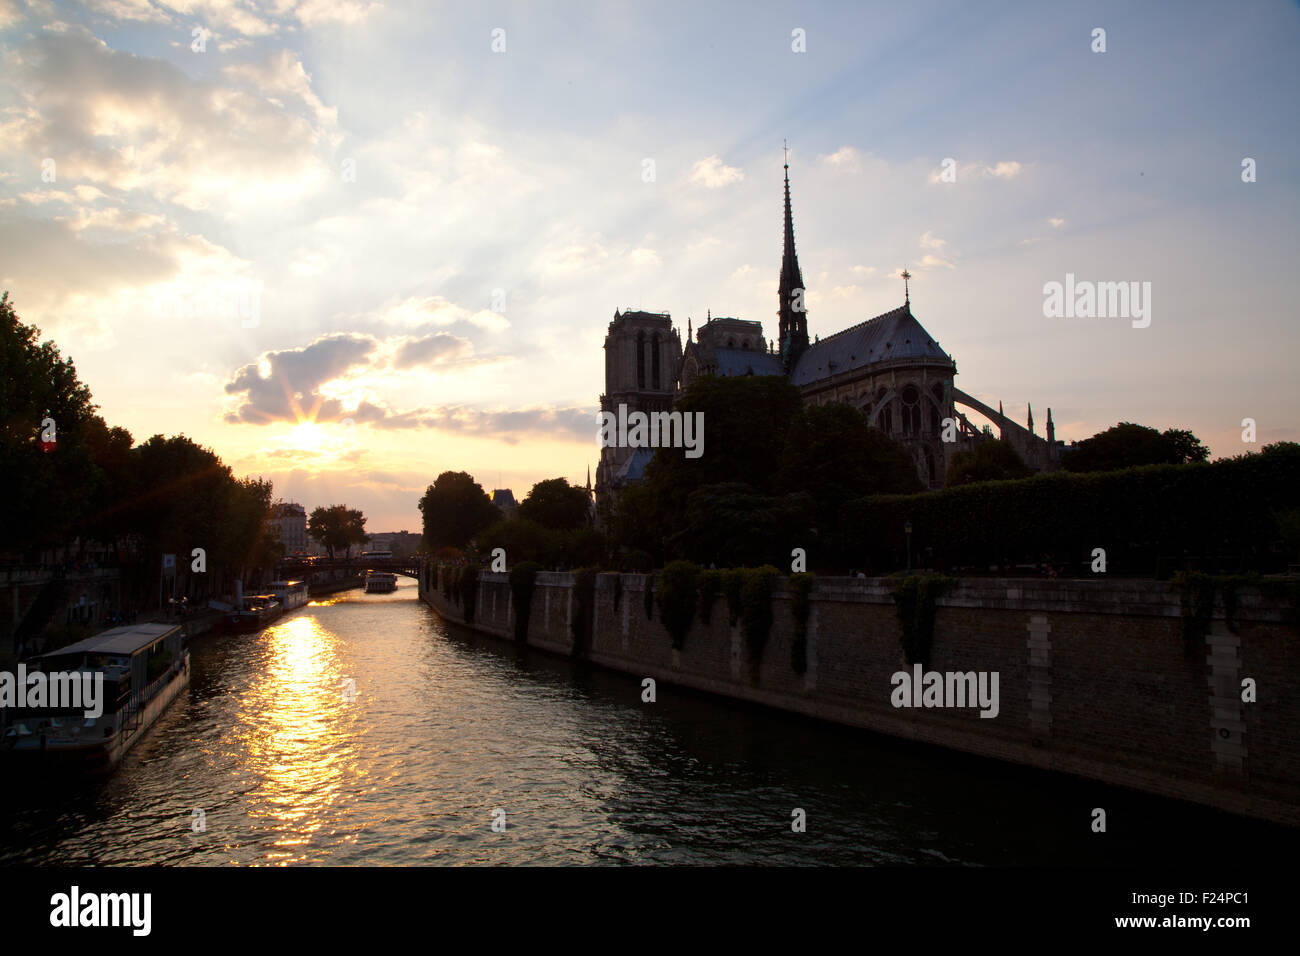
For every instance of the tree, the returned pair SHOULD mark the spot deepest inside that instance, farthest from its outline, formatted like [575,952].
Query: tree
[47,494]
[742,437]
[735,525]
[993,459]
[1127,445]
[337,527]
[556,504]
[455,508]
[833,453]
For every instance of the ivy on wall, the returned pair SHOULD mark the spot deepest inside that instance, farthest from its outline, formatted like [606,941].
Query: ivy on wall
[914,600]
[468,591]
[584,606]
[801,586]
[756,605]
[678,597]
[522,577]
[710,585]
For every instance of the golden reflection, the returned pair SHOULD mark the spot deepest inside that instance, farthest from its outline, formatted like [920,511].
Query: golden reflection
[300,742]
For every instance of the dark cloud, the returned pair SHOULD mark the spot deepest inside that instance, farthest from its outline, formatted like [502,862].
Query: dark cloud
[291,391]
[440,348]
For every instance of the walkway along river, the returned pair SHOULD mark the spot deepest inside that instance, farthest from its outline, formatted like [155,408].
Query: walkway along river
[264,761]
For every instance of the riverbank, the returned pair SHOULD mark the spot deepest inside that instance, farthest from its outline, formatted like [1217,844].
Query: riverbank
[1096,678]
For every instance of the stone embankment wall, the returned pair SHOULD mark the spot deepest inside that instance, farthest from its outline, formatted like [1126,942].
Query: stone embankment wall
[1095,677]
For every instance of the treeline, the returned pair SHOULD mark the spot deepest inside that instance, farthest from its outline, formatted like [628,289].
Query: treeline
[776,476]
[68,478]
[1237,514]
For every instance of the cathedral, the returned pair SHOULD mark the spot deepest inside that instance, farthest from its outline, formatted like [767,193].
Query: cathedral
[889,366]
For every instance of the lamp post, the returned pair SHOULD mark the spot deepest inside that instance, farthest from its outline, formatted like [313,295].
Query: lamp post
[907,529]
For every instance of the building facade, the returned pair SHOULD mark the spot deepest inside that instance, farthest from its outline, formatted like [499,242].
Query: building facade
[291,520]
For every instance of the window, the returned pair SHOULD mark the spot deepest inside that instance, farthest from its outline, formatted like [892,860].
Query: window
[911,398]
[654,360]
[640,360]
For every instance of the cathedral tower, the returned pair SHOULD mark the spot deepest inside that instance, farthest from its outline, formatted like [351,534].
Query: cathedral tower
[643,353]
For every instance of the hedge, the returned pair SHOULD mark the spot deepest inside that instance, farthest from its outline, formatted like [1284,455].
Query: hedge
[1229,511]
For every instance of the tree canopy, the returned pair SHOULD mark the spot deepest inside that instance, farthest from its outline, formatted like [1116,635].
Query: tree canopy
[1127,445]
[337,527]
[455,508]
[556,504]
[993,459]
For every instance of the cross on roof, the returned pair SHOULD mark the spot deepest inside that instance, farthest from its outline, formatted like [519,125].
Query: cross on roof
[907,295]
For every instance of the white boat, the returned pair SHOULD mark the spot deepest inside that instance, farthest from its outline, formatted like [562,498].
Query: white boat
[381,582]
[258,610]
[290,594]
[144,668]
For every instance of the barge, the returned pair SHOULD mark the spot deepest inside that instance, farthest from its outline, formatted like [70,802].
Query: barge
[140,669]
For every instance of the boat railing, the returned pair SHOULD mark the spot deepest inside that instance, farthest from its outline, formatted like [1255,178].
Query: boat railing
[132,716]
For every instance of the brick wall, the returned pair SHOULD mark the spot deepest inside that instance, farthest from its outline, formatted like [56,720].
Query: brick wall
[1094,677]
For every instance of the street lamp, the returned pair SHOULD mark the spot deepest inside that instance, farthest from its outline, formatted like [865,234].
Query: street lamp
[907,529]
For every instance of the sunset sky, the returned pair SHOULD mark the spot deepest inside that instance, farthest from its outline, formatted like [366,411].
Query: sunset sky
[438,232]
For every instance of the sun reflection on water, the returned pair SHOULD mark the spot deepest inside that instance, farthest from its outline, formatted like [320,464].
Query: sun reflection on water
[299,733]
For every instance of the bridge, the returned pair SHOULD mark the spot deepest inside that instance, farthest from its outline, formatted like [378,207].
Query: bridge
[304,568]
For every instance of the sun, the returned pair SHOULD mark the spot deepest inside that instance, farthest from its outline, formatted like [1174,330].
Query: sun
[306,436]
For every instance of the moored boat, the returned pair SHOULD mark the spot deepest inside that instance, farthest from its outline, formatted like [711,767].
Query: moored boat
[257,612]
[290,594]
[381,582]
[140,670]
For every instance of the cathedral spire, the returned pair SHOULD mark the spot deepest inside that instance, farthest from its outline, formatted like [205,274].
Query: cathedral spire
[1031,418]
[793,312]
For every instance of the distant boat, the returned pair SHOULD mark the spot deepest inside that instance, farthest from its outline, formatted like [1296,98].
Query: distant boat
[290,594]
[144,667]
[381,582]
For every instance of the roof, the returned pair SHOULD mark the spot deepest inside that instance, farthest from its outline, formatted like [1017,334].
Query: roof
[634,468]
[892,335]
[747,362]
[119,640]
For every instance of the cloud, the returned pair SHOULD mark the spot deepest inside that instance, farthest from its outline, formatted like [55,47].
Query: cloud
[1006,169]
[440,348]
[285,385]
[846,159]
[512,425]
[123,122]
[644,258]
[417,312]
[935,257]
[1056,222]
[712,174]
[282,74]
[1003,170]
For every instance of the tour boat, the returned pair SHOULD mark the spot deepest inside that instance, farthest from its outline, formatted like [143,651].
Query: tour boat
[381,582]
[258,610]
[290,594]
[143,667]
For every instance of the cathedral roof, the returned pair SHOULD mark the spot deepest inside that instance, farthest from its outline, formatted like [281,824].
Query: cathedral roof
[893,335]
[747,362]
[634,468]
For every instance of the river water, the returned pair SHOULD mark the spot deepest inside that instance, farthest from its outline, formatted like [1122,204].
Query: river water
[449,730]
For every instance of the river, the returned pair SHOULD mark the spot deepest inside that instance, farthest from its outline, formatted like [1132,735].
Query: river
[450,730]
